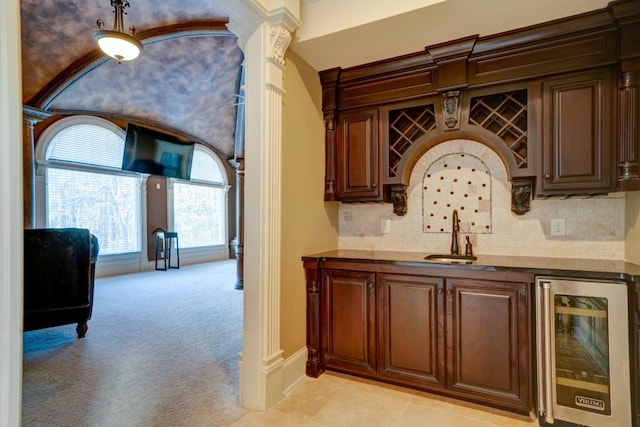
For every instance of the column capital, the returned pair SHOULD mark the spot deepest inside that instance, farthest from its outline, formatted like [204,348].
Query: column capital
[248,15]
[282,24]
[283,17]
[33,115]
[279,39]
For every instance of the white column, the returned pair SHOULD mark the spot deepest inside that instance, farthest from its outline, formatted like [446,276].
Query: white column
[261,378]
[262,242]
[11,221]
[145,265]
[41,194]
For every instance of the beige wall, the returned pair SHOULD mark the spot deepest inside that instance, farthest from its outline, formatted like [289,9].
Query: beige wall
[632,236]
[309,224]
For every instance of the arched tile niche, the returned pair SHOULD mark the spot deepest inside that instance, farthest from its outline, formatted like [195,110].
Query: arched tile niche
[463,175]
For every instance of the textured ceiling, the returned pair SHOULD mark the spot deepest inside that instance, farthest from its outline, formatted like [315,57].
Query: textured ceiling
[186,84]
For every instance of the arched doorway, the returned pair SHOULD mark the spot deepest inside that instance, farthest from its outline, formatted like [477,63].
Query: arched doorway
[265,37]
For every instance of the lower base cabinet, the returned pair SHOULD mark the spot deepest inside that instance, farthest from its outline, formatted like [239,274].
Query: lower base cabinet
[488,341]
[411,342]
[348,339]
[635,381]
[464,337]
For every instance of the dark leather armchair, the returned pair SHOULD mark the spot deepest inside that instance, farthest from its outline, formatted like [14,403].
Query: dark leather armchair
[59,271]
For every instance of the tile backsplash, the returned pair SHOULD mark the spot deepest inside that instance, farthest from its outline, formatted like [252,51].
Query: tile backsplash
[470,177]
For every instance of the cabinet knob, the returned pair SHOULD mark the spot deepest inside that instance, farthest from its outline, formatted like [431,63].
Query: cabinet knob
[375,185]
[449,292]
[440,291]
[547,176]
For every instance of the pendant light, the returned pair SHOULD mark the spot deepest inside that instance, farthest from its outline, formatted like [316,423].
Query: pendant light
[116,43]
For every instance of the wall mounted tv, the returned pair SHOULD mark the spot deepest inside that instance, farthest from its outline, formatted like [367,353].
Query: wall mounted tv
[156,153]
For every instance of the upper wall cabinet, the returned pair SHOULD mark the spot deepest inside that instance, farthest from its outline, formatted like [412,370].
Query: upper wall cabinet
[358,156]
[558,102]
[578,134]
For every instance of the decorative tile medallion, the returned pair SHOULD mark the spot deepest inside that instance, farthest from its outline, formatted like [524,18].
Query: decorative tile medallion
[460,181]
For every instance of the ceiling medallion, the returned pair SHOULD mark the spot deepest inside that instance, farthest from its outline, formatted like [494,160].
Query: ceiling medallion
[116,43]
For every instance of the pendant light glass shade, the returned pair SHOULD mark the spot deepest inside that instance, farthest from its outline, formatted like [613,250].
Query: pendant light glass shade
[116,43]
[120,46]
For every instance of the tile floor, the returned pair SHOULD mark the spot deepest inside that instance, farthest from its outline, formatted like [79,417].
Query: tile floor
[339,400]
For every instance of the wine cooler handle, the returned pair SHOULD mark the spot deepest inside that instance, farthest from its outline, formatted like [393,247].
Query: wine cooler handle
[545,373]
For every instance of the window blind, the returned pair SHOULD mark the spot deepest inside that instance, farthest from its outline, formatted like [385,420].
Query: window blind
[205,168]
[88,144]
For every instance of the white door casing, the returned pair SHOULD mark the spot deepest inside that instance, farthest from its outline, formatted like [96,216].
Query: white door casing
[11,215]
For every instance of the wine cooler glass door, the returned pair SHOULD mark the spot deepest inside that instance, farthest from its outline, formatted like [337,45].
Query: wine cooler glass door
[585,353]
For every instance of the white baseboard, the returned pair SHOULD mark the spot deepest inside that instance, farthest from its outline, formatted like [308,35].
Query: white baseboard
[272,371]
[284,376]
[112,265]
[294,369]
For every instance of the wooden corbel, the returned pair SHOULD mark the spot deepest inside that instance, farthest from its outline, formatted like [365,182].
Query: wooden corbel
[521,191]
[451,109]
[399,198]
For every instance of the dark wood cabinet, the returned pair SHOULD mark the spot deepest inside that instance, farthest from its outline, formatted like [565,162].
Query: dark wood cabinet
[460,333]
[358,156]
[557,102]
[487,328]
[348,337]
[636,381]
[635,350]
[578,140]
[411,315]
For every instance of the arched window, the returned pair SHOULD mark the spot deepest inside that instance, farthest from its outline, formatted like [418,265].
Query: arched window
[81,184]
[84,186]
[199,205]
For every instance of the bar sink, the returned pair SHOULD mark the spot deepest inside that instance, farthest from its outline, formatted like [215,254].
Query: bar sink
[466,259]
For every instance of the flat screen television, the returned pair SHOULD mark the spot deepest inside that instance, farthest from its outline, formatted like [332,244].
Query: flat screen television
[156,153]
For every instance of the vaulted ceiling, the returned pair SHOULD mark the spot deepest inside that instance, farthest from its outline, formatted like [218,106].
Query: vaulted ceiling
[186,79]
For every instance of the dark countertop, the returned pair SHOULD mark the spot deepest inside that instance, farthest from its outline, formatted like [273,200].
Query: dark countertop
[540,266]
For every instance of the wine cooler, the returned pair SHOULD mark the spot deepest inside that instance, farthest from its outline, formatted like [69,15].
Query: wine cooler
[583,352]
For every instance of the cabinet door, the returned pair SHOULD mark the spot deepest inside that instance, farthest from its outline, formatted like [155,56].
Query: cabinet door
[358,156]
[411,337]
[349,315]
[578,135]
[488,341]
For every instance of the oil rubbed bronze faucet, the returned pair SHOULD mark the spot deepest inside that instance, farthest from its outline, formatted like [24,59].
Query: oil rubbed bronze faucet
[455,227]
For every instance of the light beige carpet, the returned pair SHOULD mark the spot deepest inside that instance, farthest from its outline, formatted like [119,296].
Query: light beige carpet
[162,350]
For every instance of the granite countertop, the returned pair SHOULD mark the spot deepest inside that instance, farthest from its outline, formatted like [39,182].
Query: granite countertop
[586,268]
